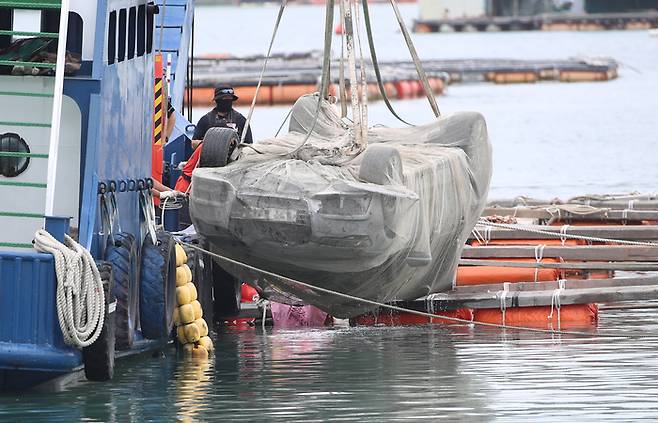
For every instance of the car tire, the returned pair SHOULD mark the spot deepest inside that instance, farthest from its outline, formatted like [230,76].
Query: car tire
[123,256]
[382,165]
[157,298]
[98,358]
[218,144]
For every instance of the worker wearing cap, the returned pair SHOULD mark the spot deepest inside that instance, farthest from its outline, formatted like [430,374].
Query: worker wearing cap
[222,116]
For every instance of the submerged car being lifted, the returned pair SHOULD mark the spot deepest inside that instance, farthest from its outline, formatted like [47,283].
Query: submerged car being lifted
[385,223]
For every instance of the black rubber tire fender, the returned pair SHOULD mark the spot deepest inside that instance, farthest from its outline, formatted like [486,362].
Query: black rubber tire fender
[157,298]
[124,258]
[98,358]
[218,144]
[382,165]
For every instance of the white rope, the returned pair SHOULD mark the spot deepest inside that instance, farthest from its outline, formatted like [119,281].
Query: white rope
[539,255]
[534,230]
[503,303]
[362,75]
[478,237]
[487,235]
[80,296]
[563,233]
[390,306]
[556,303]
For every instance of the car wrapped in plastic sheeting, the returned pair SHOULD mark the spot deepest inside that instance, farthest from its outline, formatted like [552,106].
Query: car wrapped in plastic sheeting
[383,223]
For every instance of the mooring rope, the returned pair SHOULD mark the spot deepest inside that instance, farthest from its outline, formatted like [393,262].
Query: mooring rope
[563,234]
[397,308]
[80,295]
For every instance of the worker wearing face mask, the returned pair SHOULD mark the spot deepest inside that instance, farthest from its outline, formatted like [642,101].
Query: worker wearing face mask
[223,116]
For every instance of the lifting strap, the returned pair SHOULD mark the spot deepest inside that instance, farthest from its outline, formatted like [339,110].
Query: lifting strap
[375,64]
[414,55]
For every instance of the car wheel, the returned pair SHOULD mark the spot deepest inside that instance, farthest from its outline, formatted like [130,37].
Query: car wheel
[382,165]
[218,144]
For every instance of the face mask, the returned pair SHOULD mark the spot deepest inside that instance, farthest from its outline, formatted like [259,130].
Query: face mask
[224,106]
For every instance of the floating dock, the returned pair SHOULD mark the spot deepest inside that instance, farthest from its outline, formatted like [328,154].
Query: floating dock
[542,22]
[290,76]
[549,264]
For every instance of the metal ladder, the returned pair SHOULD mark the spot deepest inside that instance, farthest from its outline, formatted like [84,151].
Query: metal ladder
[53,126]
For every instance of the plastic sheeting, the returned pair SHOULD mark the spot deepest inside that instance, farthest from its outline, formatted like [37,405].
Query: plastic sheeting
[388,223]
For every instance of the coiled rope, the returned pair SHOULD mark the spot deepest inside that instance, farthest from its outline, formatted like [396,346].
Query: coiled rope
[80,296]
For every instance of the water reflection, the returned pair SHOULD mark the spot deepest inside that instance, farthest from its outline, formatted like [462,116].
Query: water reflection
[378,374]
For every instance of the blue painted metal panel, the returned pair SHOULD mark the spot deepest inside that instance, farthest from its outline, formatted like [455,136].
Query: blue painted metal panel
[171,39]
[174,2]
[173,16]
[124,145]
[30,336]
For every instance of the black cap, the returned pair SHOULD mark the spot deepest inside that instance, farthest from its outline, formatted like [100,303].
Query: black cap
[224,91]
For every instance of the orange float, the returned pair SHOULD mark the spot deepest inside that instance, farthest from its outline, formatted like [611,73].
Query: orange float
[437,85]
[403,89]
[417,88]
[288,94]
[572,315]
[484,275]
[391,91]
[396,318]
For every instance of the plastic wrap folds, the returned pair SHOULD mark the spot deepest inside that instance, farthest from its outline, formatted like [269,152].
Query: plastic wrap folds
[386,223]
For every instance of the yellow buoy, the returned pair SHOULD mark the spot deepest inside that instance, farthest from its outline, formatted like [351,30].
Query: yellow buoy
[203,327]
[188,348]
[188,271]
[192,333]
[183,275]
[181,256]
[199,351]
[198,311]
[183,295]
[207,343]
[186,313]
[193,293]
[180,332]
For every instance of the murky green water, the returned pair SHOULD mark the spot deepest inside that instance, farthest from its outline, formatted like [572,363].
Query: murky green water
[378,374]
